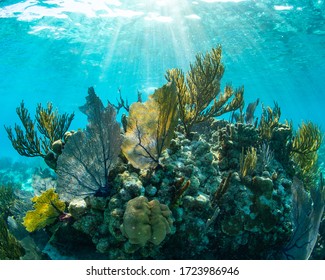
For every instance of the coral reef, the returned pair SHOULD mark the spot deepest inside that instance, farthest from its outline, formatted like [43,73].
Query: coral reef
[177,183]
[18,173]
[216,212]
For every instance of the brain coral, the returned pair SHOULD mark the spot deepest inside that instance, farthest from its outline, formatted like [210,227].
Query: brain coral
[145,221]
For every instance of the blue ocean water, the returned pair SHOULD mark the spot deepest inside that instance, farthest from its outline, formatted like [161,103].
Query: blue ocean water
[54,50]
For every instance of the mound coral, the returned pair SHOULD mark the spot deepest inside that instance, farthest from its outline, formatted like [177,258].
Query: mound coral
[145,221]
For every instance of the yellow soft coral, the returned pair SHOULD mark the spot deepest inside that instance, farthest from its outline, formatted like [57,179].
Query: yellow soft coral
[48,207]
[150,127]
[304,153]
[248,161]
[305,146]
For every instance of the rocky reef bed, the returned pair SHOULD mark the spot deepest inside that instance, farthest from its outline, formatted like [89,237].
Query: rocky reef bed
[196,205]
[217,215]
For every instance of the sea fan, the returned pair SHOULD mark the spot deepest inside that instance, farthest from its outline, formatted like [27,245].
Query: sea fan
[89,155]
[307,213]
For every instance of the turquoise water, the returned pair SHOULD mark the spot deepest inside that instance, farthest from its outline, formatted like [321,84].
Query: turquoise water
[54,50]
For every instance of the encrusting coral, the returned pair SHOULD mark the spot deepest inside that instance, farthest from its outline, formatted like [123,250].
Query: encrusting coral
[50,124]
[199,96]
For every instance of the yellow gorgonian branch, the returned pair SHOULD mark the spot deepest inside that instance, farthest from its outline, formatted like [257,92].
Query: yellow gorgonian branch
[47,209]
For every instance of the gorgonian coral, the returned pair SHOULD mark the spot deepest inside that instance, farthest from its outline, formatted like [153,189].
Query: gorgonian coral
[150,127]
[31,142]
[88,156]
[198,93]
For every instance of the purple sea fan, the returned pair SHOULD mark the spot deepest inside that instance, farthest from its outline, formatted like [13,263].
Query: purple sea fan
[308,209]
[88,156]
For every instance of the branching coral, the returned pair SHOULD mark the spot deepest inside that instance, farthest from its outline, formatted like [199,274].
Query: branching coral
[305,145]
[88,156]
[198,93]
[150,127]
[47,209]
[248,161]
[7,199]
[50,124]
[269,120]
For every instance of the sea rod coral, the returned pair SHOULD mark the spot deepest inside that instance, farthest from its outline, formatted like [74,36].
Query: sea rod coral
[199,96]
[49,123]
